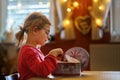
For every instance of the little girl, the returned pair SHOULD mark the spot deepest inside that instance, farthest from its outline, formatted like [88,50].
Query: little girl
[31,61]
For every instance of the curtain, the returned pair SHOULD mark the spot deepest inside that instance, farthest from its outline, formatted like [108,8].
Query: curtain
[99,12]
[67,31]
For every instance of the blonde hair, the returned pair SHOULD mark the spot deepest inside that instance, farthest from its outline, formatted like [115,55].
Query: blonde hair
[35,19]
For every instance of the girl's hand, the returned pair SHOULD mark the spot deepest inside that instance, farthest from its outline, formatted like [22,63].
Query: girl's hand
[56,52]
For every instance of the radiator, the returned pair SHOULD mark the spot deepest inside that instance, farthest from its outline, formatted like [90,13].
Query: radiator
[105,57]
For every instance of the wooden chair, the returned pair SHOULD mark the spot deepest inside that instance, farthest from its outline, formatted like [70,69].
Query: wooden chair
[13,76]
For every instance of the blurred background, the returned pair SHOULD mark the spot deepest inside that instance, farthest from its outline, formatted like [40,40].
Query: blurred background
[90,24]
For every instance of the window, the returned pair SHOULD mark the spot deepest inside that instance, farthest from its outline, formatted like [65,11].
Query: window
[18,10]
[115,21]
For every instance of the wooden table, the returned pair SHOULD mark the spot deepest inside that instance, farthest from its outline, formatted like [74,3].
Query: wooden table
[87,75]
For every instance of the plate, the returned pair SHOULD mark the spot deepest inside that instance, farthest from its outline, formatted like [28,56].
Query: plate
[80,54]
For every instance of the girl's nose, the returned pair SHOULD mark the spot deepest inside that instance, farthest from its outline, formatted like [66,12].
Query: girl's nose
[49,37]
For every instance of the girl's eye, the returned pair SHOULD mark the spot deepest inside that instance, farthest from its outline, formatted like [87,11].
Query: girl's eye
[47,33]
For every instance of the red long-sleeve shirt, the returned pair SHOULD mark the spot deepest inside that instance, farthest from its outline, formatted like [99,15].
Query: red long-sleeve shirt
[32,63]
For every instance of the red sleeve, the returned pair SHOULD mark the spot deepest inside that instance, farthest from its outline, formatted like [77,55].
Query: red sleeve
[38,67]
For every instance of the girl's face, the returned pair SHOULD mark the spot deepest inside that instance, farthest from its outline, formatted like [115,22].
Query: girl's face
[41,36]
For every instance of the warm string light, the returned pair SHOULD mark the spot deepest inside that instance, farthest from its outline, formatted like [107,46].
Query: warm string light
[64,0]
[66,22]
[95,1]
[101,7]
[75,4]
[98,22]
[70,8]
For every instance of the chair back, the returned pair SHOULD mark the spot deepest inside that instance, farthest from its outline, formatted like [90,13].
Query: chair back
[14,76]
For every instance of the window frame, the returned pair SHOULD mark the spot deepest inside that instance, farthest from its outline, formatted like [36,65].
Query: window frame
[3,17]
[115,37]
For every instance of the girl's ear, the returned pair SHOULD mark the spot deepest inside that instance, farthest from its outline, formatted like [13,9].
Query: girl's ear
[35,30]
